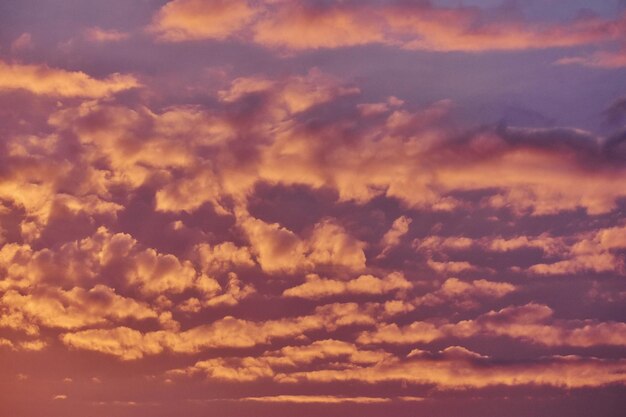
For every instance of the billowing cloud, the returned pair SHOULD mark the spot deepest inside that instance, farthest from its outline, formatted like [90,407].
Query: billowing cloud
[279,249]
[270,207]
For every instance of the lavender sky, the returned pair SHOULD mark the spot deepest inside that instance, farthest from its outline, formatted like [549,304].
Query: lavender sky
[313,208]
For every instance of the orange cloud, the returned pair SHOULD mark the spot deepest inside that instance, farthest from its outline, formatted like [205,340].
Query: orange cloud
[326,399]
[392,238]
[43,80]
[465,294]
[279,249]
[181,20]
[317,288]
[405,155]
[72,309]
[299,26]
[228,332]
[266,365]
[458,368]
[594,251]
[531,323]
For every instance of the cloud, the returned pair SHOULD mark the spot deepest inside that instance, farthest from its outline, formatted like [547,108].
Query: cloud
[222,257]
[295,26]
[182,20]
[97,34]
[465,294]
[317,399]
[303,25]
[265,366]
[71,309]
[452,368]
[457,368]
[600,59]
[392,238]
[410,156]
[228,332]
[279,249]
[530,323]
[317,288]
[42,80]
[590,252]
[22,42]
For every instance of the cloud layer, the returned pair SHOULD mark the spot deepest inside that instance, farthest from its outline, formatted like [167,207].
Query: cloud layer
[249,208]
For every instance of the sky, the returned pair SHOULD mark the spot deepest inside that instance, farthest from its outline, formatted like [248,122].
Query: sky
[311,207]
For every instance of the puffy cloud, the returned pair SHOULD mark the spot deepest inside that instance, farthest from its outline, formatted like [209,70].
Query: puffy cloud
[417,332]
[33,281]
[405,155]
[316,287]
[71,309]
[330,244]
[279,249]
[181,20]
[276,248]
[210,237]
[532,323]
[465,294]
[124,342]
[451,267]
[549,245]
[54,82]
[454,287]
[222,257]
[234,369]
[40,180]
[228,332]
[267,365]
[412,158]
[595,252]
[234,293]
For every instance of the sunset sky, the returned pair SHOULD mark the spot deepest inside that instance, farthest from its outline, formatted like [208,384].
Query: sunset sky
[277,208]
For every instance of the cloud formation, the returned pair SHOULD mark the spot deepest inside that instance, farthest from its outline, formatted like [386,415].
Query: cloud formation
[304,25]
[327,207]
